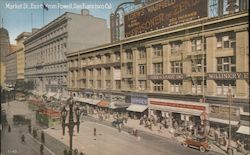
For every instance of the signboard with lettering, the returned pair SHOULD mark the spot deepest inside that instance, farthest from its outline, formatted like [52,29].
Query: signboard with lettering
[179,105]
[139,100]
[227,76]
[162,14]
[167,77]
[117,74]
[222,112]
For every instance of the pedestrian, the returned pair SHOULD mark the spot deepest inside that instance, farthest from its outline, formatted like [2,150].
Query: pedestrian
[41,149]
[9,128]
[42,137]
[75,151]
[82,153]
[29,127]
[65,152]
[34,133]
[23,138]
[94,131]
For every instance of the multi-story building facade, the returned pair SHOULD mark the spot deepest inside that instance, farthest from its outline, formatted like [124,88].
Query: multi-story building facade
[4,49]
[11,66]
[45,49]
[185,70]
[20,54]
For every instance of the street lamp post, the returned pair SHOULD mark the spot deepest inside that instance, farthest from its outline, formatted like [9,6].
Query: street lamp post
[230,100]
[71,123]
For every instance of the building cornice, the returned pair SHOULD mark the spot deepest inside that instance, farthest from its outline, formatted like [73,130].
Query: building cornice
[165,31]
[46,28]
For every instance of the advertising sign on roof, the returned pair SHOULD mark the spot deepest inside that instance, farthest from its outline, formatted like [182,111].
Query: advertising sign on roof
[163,14]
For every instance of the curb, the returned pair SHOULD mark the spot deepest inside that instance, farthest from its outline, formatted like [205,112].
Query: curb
[127,128]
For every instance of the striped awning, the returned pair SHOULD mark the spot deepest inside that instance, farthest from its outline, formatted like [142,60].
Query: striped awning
[137,108]
[103,103]
[244,130]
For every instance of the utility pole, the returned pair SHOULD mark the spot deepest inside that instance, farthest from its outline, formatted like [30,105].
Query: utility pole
[71,123]
[230,100]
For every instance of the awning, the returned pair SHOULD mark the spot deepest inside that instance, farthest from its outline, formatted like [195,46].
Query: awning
[58,95]
[49,94]
[117,105]
[103,103]
[76,98]
[183,107]
[244,130]
[223,121]
[90,101]
[65,98]
[137,108]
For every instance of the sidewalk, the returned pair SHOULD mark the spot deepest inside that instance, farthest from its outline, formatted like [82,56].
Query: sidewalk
[134,124]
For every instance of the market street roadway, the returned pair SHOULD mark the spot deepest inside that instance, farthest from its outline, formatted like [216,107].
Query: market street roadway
[11,141]
[111,142]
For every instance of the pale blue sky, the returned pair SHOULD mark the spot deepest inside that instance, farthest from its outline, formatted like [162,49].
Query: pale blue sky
[18,14]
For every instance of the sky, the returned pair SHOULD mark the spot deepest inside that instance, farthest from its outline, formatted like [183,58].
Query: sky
[19,16]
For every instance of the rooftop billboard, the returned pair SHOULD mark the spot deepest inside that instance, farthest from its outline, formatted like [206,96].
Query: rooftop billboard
[163,14]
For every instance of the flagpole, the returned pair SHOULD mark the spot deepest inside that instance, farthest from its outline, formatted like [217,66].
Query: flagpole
[43,15]
[31,21]
[59,7]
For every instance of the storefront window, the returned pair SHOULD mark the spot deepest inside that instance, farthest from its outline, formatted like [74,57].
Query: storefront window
[142,84]
[142,69]
[176,67]
[142,53]
[176,86]
[226,64]
[223,87]
[158,68]
[157,50]
[158,85]
[226,40]
[176,47]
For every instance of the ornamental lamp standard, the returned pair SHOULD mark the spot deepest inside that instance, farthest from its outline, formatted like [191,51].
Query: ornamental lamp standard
[71,123]
[230,96]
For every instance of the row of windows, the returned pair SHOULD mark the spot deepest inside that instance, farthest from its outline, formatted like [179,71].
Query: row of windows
[48,36]
[98,59]
[224,40]
[83,83]
[224,64]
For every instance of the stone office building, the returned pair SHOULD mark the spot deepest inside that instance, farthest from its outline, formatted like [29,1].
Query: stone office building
[45,49]
[11,67]
[4,50]
[175,67]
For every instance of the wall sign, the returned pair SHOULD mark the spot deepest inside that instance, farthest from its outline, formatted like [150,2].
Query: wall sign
[164,14]
[222,112]
[178,105]
[227,76]
[167,77]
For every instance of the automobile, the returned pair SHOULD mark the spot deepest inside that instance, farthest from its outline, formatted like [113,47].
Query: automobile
[198,142]
[20,120]
[115,123]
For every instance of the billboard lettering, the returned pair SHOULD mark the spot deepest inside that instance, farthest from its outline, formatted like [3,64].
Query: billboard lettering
[163,14]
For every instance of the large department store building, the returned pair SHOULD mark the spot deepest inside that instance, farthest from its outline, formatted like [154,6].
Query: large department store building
[46,48]
[183,71]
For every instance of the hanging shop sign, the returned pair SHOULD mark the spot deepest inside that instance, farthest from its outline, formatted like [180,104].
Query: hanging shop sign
[227,76]
[167,77]
[179,105]
[222,112]
[139,99]
[162,14]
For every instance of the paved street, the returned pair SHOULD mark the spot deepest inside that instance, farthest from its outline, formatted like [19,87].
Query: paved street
[11,142]
[107,142]
[111,142]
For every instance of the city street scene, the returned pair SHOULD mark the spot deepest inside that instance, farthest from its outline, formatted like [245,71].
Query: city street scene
[124,77]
